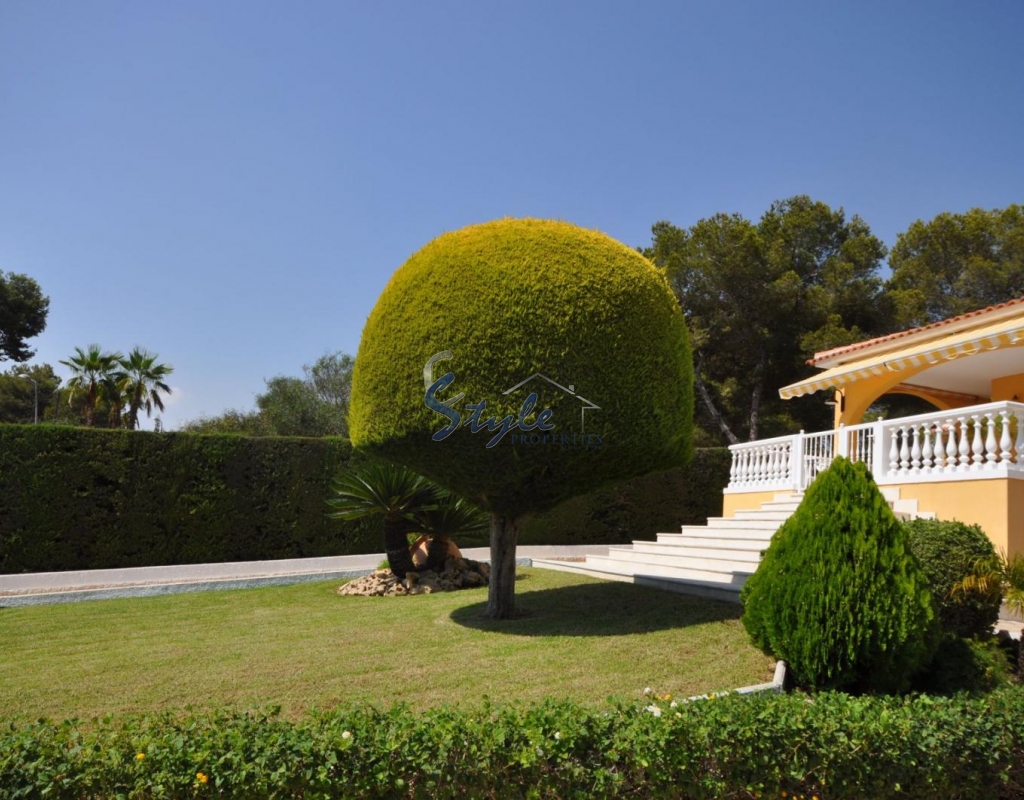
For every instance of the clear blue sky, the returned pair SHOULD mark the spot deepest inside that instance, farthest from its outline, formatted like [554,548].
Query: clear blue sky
[231,184]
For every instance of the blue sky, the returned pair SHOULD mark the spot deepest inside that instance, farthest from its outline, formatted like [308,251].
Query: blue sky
[231,184]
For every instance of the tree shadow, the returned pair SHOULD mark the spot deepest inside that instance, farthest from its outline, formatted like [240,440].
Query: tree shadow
[599,609]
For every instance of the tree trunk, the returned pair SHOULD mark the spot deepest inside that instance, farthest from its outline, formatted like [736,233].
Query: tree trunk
[755,400]
[501,589]
[705,395]
[90,406]
[396,545]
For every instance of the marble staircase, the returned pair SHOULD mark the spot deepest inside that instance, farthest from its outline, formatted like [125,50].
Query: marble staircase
[712,560]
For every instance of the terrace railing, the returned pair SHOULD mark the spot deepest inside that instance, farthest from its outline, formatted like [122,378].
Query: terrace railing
[971,443]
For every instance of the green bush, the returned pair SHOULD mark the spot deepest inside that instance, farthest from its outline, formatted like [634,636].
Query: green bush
[965,665]
[948,551]
[510,299]
[77,498]
[637,508]
[838,594]
[832,745]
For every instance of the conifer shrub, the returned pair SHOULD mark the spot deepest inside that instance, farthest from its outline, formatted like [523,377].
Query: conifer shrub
[948,551]
[839,596]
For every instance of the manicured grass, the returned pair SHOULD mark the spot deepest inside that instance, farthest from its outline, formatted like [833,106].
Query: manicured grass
[304,647]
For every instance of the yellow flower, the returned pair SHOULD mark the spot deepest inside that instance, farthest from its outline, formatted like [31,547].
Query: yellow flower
[201,777]
[140,756]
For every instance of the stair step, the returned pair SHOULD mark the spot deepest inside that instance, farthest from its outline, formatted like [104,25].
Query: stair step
[720,542]
[734,523]
[714,578]
[700,532]
[710,563]
[708,548]
[776,505]
[762,515]
[712,591]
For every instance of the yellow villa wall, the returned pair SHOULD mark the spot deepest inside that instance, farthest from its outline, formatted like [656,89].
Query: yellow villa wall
[996,505]
[1009,387]
[731,503]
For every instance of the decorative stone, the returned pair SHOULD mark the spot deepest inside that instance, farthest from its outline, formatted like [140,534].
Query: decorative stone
[459,573]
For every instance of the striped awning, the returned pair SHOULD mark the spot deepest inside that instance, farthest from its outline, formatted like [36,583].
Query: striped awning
[1007,333]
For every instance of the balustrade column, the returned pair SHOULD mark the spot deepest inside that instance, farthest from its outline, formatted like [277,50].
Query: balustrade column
[1019,445]
[991,448]
[977,445]
[926,449]
[878,450]
[796,461]
[951,446]
[964,453]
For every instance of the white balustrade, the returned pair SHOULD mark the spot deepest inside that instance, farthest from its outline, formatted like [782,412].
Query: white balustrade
[965,443]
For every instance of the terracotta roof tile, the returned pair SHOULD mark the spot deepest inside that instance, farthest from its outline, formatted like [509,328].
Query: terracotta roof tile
[852,348]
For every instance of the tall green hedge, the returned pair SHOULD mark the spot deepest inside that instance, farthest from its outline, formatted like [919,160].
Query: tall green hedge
[638,508]
[75,498]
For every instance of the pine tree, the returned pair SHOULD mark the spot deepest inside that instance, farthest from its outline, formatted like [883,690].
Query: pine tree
[838,595]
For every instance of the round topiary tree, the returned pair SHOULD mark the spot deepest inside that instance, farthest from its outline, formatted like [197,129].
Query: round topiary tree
[519,363]
[838,595]
[949,551]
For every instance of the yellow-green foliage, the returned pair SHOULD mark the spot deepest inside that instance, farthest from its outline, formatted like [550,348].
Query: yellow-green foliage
[511,298]
[839,596]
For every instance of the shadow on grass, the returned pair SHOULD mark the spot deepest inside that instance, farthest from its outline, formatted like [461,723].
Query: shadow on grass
[598,609]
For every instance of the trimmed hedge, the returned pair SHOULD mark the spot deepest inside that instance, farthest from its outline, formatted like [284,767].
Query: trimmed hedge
[828,745]
[78,498]
[638,508]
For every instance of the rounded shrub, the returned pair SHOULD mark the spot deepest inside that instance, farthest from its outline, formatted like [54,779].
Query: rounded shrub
[948,551]
[511,299]
[520,363]
[838,594]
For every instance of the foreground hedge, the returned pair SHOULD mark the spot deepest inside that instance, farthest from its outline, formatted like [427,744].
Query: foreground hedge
[78,498]
[829,746]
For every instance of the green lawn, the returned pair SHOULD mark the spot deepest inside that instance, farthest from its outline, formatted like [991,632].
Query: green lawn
[304,647]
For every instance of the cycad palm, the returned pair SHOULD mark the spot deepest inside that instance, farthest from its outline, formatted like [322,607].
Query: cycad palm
[999,575]
[450,516]
[396,493]
[91,370]
[142,383]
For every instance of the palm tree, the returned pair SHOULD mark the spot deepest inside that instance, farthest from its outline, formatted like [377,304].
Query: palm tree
[141,383]
[999,575]
[91,371]
[396,493]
